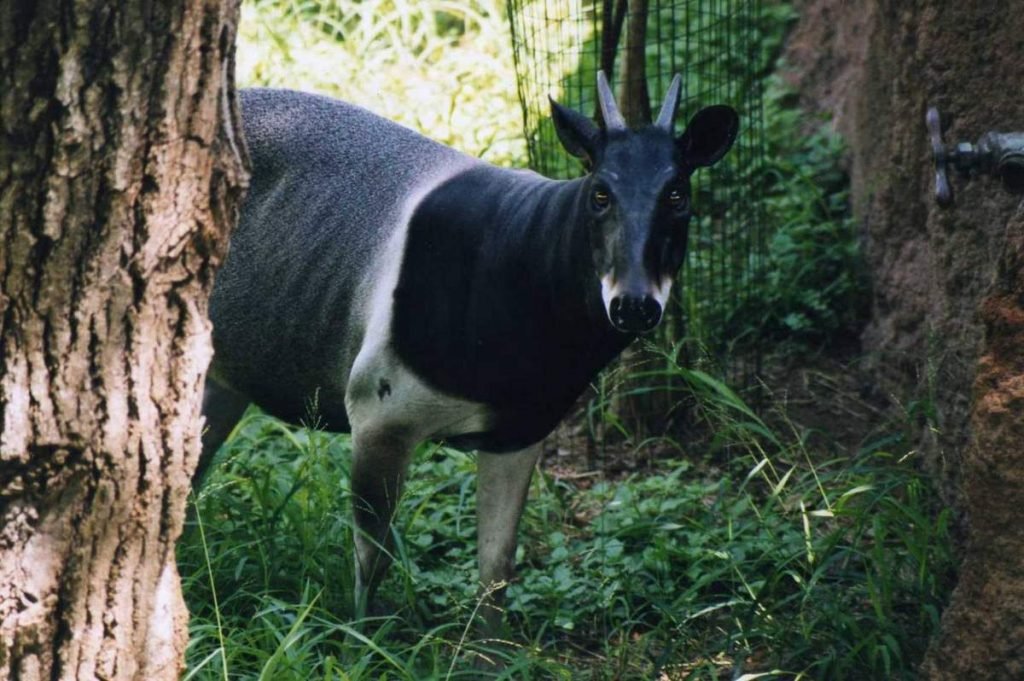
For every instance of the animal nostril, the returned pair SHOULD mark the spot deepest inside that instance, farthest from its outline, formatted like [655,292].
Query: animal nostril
[634,314]
[651,310]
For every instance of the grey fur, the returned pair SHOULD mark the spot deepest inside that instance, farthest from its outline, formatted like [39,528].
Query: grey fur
[269,308]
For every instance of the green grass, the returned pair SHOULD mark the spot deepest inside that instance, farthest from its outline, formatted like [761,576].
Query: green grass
[752,556]
[441,67]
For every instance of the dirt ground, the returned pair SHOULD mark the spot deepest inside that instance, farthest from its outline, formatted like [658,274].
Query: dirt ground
[833,402]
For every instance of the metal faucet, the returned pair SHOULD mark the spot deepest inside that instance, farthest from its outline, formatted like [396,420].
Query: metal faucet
[995,153]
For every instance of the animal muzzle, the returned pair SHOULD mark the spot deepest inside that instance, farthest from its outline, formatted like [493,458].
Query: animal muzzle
[634,313]
[635,308]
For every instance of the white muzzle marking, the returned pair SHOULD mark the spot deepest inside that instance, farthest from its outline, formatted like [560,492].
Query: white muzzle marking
[610,291]
[661,293]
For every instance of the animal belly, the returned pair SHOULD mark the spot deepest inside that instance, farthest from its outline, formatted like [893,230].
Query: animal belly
[383,394]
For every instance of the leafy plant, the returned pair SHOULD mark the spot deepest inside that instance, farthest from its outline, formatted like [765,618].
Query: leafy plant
[813,290]
[829,570]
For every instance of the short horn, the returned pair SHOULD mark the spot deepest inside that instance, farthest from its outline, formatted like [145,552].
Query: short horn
[668,110]
[613,119]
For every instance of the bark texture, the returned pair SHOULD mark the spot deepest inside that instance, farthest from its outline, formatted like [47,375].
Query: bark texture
[120,173]
[877,66]
[983,628]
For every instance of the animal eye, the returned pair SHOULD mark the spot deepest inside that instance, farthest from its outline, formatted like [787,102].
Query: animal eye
[677,199]
[600,198]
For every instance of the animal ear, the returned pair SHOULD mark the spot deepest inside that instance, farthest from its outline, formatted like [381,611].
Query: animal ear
[577,133]
[709,134]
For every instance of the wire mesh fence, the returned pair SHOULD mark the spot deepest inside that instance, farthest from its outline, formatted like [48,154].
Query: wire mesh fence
[716,45]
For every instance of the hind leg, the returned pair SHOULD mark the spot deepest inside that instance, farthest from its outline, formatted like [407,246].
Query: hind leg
[222,409]
[380,460]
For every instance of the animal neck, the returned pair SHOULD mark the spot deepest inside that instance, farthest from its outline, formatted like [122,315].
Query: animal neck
[551,233]
[497,299]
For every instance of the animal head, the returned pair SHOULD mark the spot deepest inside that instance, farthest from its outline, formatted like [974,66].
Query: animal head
[637,197]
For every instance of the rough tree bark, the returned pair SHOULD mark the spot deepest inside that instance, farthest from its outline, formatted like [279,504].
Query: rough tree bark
[983,628]
[877,66]
[120,173]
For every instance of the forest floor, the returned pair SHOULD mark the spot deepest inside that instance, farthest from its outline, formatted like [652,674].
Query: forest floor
[830,401]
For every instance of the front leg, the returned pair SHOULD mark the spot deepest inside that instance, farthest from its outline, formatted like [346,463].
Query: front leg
[503,481]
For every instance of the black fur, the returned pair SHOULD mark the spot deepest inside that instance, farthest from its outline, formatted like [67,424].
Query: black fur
[497,301]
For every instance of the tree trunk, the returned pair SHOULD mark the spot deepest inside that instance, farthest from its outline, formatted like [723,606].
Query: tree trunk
[613,16]
[634,99]
[877,66]
[983,628]
[120,175]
